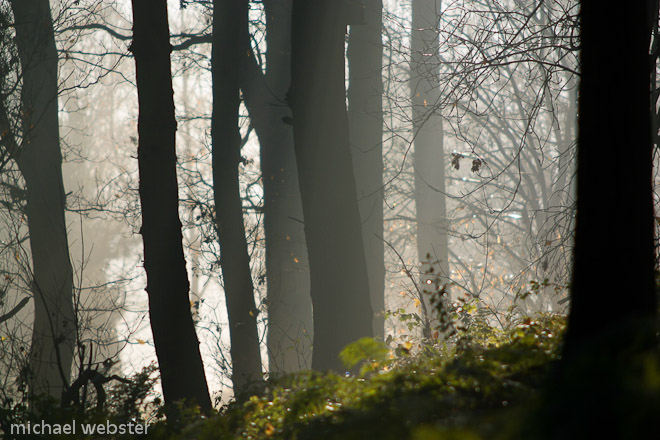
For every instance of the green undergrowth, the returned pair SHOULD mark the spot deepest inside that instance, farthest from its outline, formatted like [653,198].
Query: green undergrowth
[472,389]
[486,384]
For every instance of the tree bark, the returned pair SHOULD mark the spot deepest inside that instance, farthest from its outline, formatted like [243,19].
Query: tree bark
[612,323]
[289,305]
[429,160]
[338,270]
[365,118]
[614,224]
[177,346]
[40,163]
[228,51]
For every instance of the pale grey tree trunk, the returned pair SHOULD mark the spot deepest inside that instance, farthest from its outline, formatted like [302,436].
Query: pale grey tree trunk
[290,328]
[365,119]
[40,163]
[429,158]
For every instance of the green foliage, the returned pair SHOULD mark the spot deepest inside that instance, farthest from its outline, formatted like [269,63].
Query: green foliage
[128,402]
[442,392]
[131,400]
[490,384]
[366,351]
[411,320]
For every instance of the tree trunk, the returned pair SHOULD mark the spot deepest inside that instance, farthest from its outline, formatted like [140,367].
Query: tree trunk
[287,268]
[429,158]
[338,270]
[365,117]
[614,185]
[177,347]
[229,21]
[612,321]
[40,163]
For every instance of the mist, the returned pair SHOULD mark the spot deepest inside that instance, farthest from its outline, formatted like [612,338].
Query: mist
[400,171]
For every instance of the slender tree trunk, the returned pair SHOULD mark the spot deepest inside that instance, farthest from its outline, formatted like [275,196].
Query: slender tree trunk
[365,116]
[338,270]
[290,329]
[558,221]
[177,347]
[429,159]
[40,163]
[229,21]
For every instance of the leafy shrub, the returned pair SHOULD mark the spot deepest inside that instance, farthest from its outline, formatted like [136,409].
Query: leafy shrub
[127,401]
[473,389]
[440,392]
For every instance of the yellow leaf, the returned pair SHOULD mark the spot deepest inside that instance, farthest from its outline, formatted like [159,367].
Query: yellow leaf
[417,302]
[270,430]
[140,341]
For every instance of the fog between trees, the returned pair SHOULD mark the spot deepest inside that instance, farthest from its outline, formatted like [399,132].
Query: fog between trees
[336,164]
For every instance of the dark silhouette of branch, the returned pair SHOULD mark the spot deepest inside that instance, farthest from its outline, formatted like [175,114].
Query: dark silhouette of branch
[15,310]
[71,395]
[189,39]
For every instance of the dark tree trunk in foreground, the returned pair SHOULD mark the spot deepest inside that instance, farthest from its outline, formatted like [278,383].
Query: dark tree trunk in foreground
[365,115]
[429,159]
[614,224]
[177,347]
[40,163]
[338,270]
[612,320]
[290,329]
[229,20]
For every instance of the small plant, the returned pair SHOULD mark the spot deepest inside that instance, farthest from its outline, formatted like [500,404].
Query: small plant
[135,400]
[367,352]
